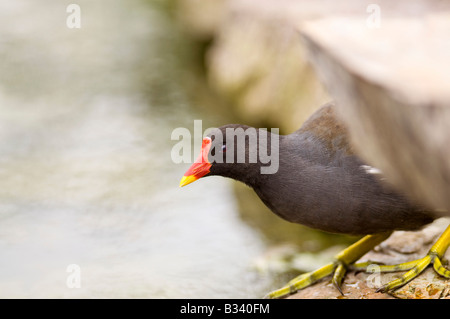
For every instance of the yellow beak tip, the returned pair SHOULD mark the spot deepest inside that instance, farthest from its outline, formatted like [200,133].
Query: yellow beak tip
[185,180]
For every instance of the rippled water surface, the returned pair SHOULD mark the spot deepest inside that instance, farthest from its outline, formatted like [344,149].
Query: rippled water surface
[86,176]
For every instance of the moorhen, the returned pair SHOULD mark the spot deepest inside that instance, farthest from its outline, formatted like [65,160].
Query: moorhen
[320,182]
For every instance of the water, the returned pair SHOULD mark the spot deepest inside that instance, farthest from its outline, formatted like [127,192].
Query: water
[86,176]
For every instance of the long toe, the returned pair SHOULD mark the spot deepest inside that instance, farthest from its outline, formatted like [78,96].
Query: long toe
[303,281]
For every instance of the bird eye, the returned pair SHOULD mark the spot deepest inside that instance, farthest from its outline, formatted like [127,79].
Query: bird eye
[224,148]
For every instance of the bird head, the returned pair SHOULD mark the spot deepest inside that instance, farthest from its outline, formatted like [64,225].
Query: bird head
[233,151]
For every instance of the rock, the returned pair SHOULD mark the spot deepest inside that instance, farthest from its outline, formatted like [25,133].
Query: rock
[201,19]
[255,61]
[354,287]
[392,88]
[264,72]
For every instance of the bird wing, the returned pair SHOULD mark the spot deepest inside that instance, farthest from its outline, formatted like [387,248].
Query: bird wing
[326,127]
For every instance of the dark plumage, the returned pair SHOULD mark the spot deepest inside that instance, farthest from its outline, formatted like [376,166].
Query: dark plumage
[321,182]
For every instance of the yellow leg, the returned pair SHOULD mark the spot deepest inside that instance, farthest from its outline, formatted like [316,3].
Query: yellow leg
[338,268]
[415,267]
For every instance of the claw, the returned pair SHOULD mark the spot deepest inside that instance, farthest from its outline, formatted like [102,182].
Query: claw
[338,287]
[338,276]
[381,289]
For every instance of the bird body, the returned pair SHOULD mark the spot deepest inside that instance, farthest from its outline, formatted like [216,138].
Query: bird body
[339,199]
[321,182]
[332,190]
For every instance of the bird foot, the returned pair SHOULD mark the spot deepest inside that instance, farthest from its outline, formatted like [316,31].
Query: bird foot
[346,260]
[414,269]
[338,268]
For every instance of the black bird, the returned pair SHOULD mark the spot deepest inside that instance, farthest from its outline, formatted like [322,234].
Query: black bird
[319,181]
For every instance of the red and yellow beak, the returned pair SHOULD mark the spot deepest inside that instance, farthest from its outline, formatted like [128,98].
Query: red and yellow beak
[201,165]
